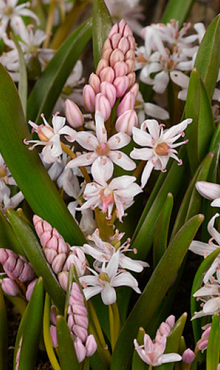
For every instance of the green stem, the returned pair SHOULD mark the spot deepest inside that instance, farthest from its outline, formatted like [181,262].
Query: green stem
[114,322]
[49,24]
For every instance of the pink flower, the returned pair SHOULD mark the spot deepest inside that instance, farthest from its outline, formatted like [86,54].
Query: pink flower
[158,145]
[100,146]
[119,192]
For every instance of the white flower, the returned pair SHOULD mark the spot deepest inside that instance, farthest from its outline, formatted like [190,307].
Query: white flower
[152,352]
[204,249]
[103,251]
[209,191]
[158,145]
[10,15]
[119,193]
[107,280]
[50,137]
[100,146]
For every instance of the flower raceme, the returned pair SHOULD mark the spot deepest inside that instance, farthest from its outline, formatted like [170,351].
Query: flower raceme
[158,145]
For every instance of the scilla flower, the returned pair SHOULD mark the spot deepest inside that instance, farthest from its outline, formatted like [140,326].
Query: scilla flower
[158,145]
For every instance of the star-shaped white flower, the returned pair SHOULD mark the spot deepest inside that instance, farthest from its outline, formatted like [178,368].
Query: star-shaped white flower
[101,146]
[158,145]
[50,137]
[107,280]
[120,192]
[10,14]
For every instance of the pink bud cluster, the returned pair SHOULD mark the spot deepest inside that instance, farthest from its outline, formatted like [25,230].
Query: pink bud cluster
[57,252]
[114,78]
[203,342]
[165,327]
[18,270]
[85,345]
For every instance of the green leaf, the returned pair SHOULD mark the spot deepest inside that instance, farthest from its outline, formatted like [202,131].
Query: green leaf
[177,10]
[212,356]
[151,298]
[102,24]
[192,199]
[29,331]
[8,238]
[66,350]
[169,182]
[23,84]
[161,231]
[3,334]
[49,86]
[27,168]
[208,58]
[200,131]
[36,257]
[197,283]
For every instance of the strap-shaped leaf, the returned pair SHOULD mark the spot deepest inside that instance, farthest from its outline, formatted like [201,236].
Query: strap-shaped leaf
[177,10]
[212,357]
[201,130]
[102,24]
[33,250]
[66,350]
[49,86]
[149,302]
[3,334]
[26,166]
[208,58]
[8,238]
[29,331]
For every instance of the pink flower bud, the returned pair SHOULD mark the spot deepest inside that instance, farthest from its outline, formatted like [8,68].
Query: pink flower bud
[188,356]
[130,54]
[50,254]
[164,329]
[126,122]
[10,287]
[107,45]
[115,40]
[53,335]
[80,332]
[131,42]
[120,69]
[30,289]
[103,63]
[73,114]
[107,74]
[127,31]
[63,279]
[124,45]
[135,89]
[80,349]
[95,82]
[109,91]
[113,31]
[89,98]
[116,56]
[127,103]
[171,321]
[121,84]
[106,54]
[3,255]
[130,64]
[91,345]
[81,321]
[53,315]
[58,262]
[102,105]
[121,27]
[132,77]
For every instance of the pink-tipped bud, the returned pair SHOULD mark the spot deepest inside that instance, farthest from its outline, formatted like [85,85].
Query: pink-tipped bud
[116,56]
[121,84]
[131,42]
[58,262]
[120,69]
[53,315]
[103,63]
[107,45]
[63,279]
[130,54]
[91,345]
[132,78]
[188,356]
[53,335]
[135,89]
[109,91]
[106,54]
[76,257]
[30,289]
[10,287]
[102,105]
[113,31]
[127,31]
[107,74]
[89,98]
[121,27]
[126,122]
[95,82]
[73,114]
[164,329]
[79,332]
[124,45]
[171,320]
[130,65]
[127,103]
[50,254]
[80,349]
[16,266]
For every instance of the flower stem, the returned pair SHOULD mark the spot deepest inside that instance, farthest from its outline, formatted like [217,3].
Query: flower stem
[49,24]
[114,322]
[139,169]
[72,155]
